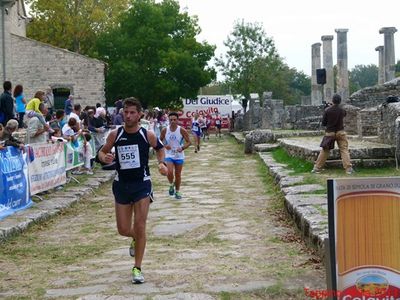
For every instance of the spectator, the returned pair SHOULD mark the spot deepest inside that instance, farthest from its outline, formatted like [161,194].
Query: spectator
[2,142]
[76,112]
[119,117]
[97,126]
[87,154]
[6,103]
[7,137]
[58,123]
[20,104]
[68,105]
[118,104]
[86,115]
[71,131]
[49,100]
[36,132]
[33,110]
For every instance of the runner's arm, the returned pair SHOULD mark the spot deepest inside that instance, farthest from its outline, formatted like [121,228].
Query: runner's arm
[162,138]
[105,154]
[186,137]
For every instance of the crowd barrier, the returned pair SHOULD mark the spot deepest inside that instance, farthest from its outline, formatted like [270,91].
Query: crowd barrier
[39,168]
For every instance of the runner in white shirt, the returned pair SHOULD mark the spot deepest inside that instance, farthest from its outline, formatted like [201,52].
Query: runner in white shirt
[176,139]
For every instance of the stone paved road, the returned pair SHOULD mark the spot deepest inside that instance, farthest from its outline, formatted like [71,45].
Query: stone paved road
[219,242]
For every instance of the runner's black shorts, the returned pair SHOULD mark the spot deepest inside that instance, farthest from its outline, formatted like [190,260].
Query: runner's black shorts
[132,191]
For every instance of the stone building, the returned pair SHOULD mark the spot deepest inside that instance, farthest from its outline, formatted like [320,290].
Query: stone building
[38,66]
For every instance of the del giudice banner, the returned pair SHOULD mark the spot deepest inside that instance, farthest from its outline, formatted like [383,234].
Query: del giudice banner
[47,170]
[14,191]
[207,105]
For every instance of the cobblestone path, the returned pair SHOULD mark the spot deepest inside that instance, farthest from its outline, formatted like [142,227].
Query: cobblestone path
[221,241]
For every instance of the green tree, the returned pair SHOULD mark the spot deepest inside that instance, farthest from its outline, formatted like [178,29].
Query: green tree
[153,54]
[300,83]
[397,69]
[73,24]
[362,76]
[292,85]
[215,88]
[252,62]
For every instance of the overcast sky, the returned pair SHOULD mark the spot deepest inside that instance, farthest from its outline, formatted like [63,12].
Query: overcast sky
[295,25]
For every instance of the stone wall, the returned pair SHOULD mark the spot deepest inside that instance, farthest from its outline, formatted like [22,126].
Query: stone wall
[350,121]
[272,114]
[368,121]
[368,114]
[375,95]
[387,126]
[37,65]
[303,117]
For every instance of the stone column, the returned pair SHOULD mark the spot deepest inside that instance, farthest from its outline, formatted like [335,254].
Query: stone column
[388,49]
[316,95]
[342,84]
[328,66]
[381,73]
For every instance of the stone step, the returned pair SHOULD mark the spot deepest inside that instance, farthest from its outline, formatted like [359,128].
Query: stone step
[366,163]
[265,147]
[308,148]
[239,136]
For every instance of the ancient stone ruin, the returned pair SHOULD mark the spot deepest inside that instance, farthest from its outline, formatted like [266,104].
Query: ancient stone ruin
[370,118]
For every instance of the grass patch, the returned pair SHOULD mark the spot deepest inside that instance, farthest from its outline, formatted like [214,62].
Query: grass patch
[278,291]
[212,238]
[298,165]
[321,210]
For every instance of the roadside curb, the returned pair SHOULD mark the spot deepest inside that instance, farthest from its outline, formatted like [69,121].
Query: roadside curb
[58,201]
[303,202]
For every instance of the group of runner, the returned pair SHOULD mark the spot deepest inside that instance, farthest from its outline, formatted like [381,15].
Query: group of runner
[132,186]
[201,128]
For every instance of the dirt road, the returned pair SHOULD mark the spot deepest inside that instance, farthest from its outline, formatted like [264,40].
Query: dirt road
[221,241]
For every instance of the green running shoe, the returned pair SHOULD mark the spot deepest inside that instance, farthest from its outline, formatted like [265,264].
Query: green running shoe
[178,195]
[137,276]
[171,190]
[132,248]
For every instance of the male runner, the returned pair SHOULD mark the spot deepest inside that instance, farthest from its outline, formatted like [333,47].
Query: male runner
[132,185]
[196,131]
[176,139]
[218,125]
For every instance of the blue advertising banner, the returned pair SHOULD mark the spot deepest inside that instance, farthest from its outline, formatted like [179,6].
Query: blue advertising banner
[14,189]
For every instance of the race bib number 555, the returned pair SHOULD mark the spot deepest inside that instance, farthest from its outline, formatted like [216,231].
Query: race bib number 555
[129,157]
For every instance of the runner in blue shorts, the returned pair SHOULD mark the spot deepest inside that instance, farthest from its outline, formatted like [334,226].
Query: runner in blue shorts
[218,125]
[196,131]
[132,185]
[176,139]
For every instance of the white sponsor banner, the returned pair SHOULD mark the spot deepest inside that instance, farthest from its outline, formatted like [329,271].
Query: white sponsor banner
[47,170]
[207,105]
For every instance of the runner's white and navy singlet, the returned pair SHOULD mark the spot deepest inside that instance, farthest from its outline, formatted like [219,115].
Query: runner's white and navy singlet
[196,127]
[132,155]
[175,140]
